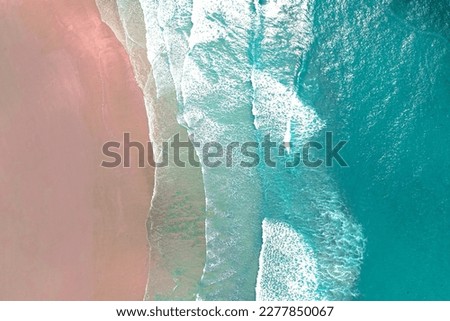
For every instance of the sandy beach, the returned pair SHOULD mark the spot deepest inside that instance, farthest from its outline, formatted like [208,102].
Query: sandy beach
[71,230]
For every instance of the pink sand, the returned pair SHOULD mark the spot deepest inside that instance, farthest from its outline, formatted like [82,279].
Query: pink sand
[69,229]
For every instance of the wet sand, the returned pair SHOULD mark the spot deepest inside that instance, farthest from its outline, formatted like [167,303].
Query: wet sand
[70,229]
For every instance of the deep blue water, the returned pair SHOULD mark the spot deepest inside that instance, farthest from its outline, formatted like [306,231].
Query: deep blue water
[379,73]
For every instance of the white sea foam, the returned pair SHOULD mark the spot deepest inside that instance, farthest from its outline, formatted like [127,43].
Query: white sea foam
[287,265]
[275,105]
[211,19]
[316,212]
[156,49]
[217,95]
[174,20]
[284,35]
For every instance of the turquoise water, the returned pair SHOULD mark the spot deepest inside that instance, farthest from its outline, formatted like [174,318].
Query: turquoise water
[240,83]
[379,73]
[375,74]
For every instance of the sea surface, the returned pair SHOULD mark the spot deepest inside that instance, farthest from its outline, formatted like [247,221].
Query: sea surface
[375,74]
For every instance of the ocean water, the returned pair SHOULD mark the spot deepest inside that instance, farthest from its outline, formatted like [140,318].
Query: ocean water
[379,75]
[375,74]
[176,216]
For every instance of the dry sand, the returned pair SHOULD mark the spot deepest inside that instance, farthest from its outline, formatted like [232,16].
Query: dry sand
[70,229]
